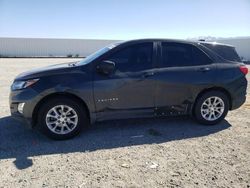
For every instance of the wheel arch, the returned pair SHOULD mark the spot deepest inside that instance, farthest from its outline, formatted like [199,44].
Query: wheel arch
[56,95]
[221,89]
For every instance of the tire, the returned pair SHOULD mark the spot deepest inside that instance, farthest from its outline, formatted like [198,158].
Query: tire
[62,118]
[202,108]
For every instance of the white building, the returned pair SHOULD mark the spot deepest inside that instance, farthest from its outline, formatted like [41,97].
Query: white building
[32,47]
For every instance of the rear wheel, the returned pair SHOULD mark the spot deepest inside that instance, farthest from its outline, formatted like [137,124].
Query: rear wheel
[211,107]
[62,118]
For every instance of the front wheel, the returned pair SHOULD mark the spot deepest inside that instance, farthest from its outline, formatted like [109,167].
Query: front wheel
[211,107]
[62,118]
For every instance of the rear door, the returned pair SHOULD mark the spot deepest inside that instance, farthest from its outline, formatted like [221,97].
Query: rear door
[184,70]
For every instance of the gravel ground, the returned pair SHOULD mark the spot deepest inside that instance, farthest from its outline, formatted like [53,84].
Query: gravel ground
[174,152]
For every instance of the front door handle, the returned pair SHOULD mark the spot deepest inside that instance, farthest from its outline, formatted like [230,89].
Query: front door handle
[204,69]
[148,74]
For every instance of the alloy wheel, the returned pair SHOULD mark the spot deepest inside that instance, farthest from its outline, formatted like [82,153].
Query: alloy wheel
[212,108]
[61,119]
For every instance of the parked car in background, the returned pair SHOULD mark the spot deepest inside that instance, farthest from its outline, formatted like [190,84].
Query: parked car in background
[133,79]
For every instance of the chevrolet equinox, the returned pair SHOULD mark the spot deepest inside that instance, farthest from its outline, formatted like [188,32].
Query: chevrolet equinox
[133,79]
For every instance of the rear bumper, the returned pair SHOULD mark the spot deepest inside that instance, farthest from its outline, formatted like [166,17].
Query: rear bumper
[238,93]
[238,102]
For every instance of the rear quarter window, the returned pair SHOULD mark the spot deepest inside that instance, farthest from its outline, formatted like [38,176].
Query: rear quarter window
[226,52]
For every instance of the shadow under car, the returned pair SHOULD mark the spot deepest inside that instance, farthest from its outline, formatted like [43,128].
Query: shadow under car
[20,143]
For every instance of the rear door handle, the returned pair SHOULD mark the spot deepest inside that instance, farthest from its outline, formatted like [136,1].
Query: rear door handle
[204,69]
[148,74]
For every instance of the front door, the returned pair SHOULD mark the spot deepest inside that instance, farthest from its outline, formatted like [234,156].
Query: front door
[130,90]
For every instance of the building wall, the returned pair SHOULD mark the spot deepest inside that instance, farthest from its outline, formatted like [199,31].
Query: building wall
[24,47]
[27,47]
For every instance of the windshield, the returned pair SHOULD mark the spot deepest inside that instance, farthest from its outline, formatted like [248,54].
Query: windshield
[96,54]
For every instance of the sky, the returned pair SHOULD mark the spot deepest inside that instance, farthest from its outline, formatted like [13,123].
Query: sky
[124,19]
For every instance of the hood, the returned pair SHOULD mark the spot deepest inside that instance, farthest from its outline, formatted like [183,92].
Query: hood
[45,71]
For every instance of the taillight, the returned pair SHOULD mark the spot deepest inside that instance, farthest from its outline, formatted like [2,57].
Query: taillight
[244,69]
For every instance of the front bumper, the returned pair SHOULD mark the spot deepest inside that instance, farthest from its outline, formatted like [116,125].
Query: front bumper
[19,117]
[29,98]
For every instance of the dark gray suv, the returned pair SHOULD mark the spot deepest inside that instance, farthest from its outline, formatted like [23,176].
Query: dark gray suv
[139,78]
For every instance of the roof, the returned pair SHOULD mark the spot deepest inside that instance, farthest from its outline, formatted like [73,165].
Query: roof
[215,43]
[176,40]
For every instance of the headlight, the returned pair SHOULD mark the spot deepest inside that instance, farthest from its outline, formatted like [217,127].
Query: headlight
[23,84]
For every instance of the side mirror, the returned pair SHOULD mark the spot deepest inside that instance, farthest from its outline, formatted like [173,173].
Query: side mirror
[106,67]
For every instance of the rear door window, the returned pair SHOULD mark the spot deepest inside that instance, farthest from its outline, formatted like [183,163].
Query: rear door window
[200,58]
[182,55]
